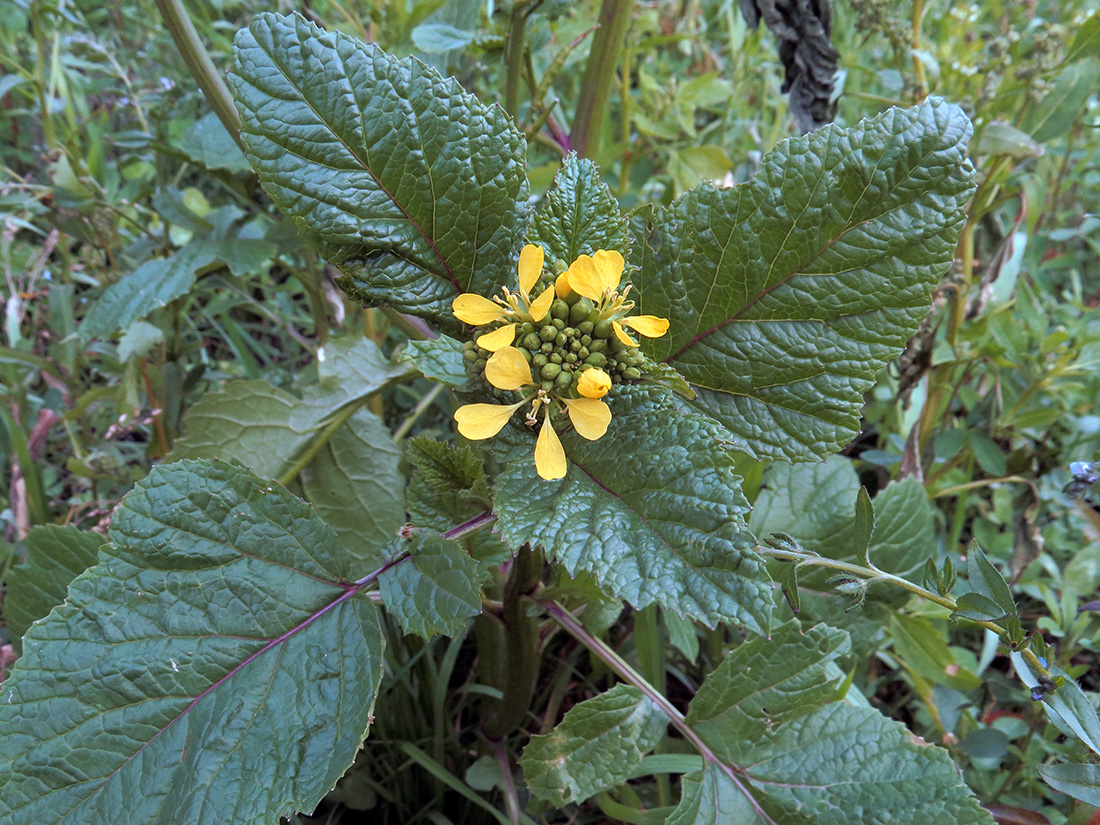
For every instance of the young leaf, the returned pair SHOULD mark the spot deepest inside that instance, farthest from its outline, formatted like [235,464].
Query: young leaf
[653,510]
[55,556]
[710,797]
[412,187]
[597,745]
[864,525]
[787,294]
[842,764]
[144,698]
[1067,706]
[445,467]
[579,215]
[435,591]
[1079,781]
[985,580]
[763,683]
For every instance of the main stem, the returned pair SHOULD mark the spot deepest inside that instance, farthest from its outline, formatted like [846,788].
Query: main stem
[599,75]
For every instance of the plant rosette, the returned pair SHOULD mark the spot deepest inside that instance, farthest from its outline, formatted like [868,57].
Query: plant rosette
[562,353]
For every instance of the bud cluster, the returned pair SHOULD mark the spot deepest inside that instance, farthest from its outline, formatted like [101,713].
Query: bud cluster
[568,341]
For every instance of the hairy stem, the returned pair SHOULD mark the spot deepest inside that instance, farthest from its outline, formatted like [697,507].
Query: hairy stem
[628,674]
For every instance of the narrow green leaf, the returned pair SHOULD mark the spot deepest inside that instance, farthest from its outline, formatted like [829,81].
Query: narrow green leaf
[924,649]
[1054,115]
[55,556]
[842,764]
[763,683]
[412,187]
[143,699]
[439,358]
[864,525]
[1067,706]
[1086,43]
[579,215]
[787,294]
[987,581]
[653,510]
[1081,781]
[356,485]
[597,745]
[710,797]
[433,592]
[978,607]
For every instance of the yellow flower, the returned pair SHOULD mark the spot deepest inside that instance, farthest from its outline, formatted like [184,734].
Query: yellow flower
[507,369]
[513,307]
[597,277]
[594,383]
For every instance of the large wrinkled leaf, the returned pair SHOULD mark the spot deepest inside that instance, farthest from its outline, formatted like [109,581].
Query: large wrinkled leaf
[842,764]
[763,683]
[214,665]
[435,591]
[786,294]
[414,188]
[579,214]
[653,510]
[439,358]
[597,746]
[55,556]
[356,485]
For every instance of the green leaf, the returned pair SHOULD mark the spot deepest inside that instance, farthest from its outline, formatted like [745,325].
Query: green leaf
[435,591]
[1067,706]
[842,764]
[138,340]
[1054,115]
[597,745]
[904,533]
[1086,43]
[209,143]
[579,215]
[987,581]
[924,649]
[448,468]
[412,187]
[764,683]
[440,38]
[682,634]
[788,293]
[439,358]
[356,485]
[863,525]
[144,699]
[653,510]
[1080,781]
[153,284]
[1000,138]
[55,556]
[812,502]
[711,797]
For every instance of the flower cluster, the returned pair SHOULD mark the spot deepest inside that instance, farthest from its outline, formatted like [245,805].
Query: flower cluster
[563,351]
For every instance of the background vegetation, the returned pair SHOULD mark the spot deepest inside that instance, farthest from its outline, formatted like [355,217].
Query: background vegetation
[143,268]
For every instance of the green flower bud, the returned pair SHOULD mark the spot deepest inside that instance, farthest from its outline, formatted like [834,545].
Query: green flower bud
[550,371]
[548,332]
[583,352]
[539,360]
[470,355]
[632,372]
[548,347]
[526,327]
[532,341]
[580,311]
[585,327]
[596,345]
[603,329]
[479,364]
[548,385]
[571,358]
[559,309]
[558,323]
[561,339]
[527,356]
[564,381]
[555,358]
[596,359]
[558,266]
[574,345]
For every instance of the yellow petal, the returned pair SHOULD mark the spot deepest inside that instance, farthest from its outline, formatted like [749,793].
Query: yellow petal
[593,383]
[648,325]
[541,306]
[549,455]
[585,277]
[507,369]
[590,416]
[620,333]
[478,421]
[476,310]
[561,285]
[498,338]
[530,267]
[611,264]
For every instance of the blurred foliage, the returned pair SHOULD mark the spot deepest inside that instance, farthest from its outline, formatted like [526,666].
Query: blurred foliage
[143,267]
